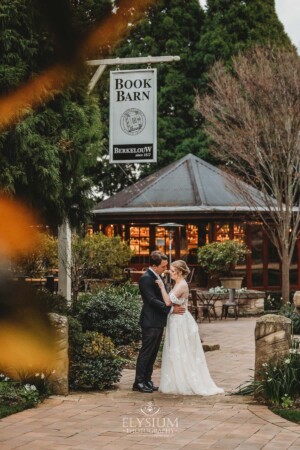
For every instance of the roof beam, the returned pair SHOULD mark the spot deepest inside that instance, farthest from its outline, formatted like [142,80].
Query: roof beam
[103,63]
[138,60]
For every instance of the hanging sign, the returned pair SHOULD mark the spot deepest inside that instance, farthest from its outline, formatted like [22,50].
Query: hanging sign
[132,124]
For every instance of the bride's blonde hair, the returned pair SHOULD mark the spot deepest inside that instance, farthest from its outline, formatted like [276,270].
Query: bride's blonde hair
[181,266]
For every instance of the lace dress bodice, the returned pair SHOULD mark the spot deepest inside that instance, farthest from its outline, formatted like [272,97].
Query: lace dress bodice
[183,301]
[182,298]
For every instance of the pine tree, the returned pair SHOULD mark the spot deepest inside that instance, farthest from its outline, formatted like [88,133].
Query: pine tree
[171,27]
[45,158]
[232,26]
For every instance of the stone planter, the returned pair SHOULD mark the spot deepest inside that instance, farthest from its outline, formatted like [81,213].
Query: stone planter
[272,340]
[232,282]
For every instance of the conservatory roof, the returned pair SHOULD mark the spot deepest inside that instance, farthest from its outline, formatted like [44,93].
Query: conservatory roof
[189,184]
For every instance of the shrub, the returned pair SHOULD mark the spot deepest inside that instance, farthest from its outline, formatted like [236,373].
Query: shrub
[75,337]
[40,260]
[54,303]
[220,258]
[114,311]
[37,381]
[15,397]
[273,301]
[96,364]
[18,395]
[279,379]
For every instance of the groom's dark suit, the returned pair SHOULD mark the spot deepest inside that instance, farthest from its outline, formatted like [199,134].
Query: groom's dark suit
[153,320]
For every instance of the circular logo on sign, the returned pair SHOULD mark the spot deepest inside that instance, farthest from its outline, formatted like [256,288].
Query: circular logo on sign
[133,121]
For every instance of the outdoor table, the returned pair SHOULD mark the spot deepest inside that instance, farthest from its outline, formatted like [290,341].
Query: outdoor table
[203,302]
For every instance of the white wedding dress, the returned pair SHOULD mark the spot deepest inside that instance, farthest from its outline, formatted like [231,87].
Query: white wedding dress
[184,370]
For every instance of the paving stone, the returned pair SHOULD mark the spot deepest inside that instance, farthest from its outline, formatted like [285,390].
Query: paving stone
[94,420]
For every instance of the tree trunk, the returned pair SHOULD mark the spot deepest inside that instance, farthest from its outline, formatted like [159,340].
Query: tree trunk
[285,276]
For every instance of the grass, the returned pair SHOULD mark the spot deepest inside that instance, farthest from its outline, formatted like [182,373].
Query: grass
[6,408]
[293,415]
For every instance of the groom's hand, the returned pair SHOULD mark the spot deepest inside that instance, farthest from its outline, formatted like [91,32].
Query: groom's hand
[177,309]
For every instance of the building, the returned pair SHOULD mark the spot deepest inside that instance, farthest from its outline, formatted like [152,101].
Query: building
[202,199]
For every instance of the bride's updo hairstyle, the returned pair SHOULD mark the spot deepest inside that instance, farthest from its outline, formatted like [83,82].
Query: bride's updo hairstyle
[181,266]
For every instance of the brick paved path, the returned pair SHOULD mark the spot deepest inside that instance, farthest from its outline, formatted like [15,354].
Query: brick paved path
[122,419]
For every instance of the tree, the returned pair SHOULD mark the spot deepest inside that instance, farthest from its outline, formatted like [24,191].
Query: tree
[45,158]
[97,256]
[253,118]
[233,26]
[169,28]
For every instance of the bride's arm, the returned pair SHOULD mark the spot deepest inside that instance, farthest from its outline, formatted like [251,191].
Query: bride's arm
[177,294]
[164,293]
[171,298]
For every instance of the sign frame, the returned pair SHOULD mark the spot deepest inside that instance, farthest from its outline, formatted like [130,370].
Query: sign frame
[133,116]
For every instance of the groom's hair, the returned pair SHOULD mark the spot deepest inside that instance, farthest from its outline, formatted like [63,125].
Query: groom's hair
[156,258]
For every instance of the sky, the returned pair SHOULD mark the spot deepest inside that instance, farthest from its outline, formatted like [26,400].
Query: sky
[288,12]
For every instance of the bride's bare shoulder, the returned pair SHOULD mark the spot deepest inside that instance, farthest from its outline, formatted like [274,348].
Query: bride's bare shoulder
[181,288]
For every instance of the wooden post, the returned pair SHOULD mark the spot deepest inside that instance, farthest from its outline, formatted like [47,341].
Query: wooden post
[64,260]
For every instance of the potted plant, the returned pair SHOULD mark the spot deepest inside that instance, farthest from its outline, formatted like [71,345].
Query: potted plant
[219,260]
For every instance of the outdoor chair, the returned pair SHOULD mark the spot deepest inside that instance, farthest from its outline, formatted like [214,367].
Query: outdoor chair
[190,276]
[226,307]
[235,305]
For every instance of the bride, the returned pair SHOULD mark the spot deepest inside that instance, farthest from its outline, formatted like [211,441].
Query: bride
[184,369]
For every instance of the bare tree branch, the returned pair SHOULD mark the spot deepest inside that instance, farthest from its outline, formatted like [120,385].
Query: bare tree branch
[253,117]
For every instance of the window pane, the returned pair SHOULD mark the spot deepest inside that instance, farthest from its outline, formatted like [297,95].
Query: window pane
[222,231]
[257,255]
[109,230]
[294,267]
[139,243]
[273,266]
[162,241]
[239,232]
[192,243]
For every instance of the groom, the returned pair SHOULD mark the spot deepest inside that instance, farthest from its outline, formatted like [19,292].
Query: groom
[153,320]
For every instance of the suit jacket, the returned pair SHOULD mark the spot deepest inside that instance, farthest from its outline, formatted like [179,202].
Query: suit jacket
[154,311]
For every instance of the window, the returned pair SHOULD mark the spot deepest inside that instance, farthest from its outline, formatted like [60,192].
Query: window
[239,232]
[257,248]
[192,243]
[109,230]
[294,267]
[273,266]
[162,240]
[113,230]
[222,231]
[139,243]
